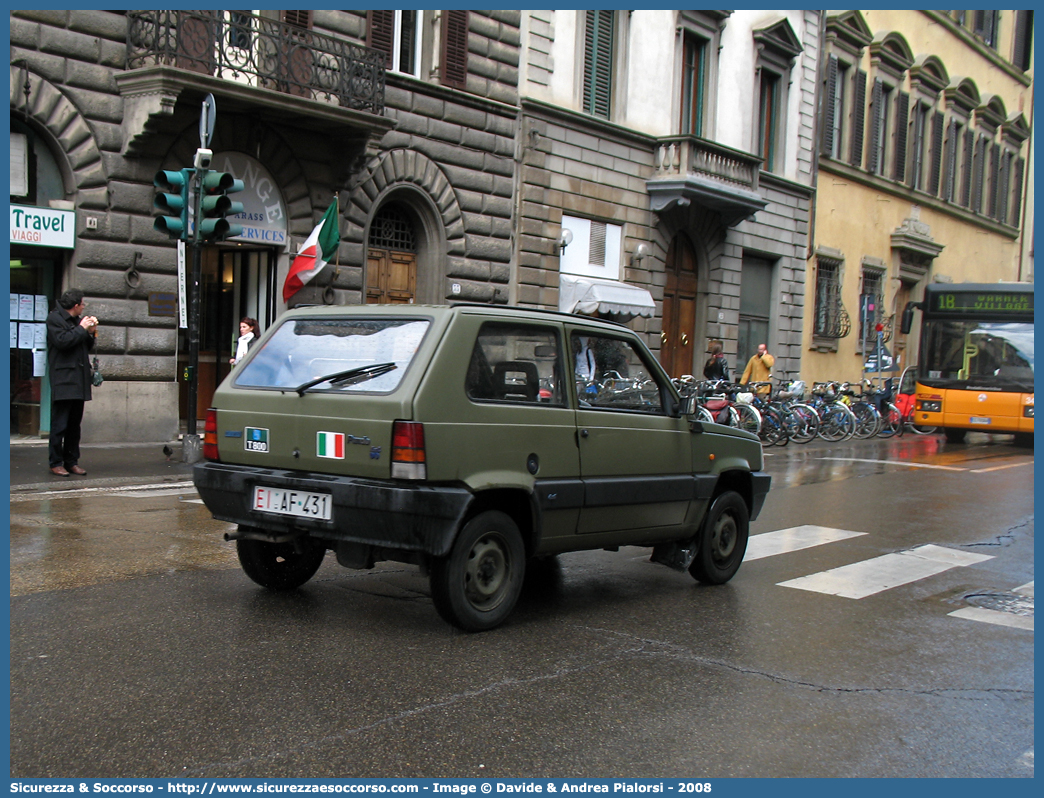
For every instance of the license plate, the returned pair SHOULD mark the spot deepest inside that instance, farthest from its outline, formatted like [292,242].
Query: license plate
[980,420]
[298,503]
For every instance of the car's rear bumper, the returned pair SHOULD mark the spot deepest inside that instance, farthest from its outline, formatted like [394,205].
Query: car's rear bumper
[386,513]
[760,483]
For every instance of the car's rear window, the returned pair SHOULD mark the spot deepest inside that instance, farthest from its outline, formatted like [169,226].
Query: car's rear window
[359,355]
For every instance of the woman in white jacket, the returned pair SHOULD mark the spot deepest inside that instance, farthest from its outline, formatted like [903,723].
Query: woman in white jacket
[249,332]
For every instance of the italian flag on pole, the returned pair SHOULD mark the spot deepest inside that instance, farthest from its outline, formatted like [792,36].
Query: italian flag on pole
[330,444]
[317,251]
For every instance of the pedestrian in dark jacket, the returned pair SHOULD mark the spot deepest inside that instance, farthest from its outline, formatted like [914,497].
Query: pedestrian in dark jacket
[716,367]
[70,338]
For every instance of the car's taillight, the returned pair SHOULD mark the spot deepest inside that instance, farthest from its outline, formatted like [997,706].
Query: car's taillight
[407,460]
[210,437]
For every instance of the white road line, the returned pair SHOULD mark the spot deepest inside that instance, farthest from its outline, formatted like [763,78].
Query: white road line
[1000,468]
[769,544]
[893,462]
[994,617]
[1025,590]
[862,579]
[172,486]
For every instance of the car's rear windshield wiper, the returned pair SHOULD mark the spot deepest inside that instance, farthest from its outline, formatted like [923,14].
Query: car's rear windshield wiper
[349,377]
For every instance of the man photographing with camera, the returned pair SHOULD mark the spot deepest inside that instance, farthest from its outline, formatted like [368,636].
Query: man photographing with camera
[70,338]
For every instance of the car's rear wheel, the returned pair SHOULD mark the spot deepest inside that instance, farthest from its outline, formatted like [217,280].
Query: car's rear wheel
[722,539]
[477,585]
[955,435]
[280,566]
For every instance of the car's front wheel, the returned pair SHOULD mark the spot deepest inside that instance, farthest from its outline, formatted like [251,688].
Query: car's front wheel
[722,540]
[477,585]
[280,566]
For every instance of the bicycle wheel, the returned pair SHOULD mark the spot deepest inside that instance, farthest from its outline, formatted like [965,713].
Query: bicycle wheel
[891,422]
[748,418]
[802,422]
[836,423]
[868,420]
[773,431]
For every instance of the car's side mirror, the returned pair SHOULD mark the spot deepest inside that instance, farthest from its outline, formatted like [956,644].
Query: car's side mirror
[688,406]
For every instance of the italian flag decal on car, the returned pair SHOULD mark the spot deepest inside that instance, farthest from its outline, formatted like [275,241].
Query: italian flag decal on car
[330,444]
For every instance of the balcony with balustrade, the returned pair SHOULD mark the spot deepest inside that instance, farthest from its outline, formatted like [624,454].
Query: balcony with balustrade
[265,67]
[688,169]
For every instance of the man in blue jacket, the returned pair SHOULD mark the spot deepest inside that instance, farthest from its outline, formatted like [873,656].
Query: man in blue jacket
[70,338]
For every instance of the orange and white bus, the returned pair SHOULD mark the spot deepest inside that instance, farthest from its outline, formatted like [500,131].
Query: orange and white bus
[975,360]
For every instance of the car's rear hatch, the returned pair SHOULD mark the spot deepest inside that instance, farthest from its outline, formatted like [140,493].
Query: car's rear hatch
[270,416]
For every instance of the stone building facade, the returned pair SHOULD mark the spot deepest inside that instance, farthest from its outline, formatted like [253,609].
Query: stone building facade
[691,134]
[657,166]
[405,119]
[925,174]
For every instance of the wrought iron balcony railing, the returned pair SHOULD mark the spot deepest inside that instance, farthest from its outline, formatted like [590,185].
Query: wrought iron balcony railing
[678,156]
[261,52]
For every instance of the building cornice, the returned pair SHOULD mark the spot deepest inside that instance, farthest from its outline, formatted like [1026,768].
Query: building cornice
[915,197]
[944,19]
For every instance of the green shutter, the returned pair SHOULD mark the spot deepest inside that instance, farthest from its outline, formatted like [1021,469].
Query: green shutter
[598,62]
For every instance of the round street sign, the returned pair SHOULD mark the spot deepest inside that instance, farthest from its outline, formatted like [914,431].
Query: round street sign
[206,121]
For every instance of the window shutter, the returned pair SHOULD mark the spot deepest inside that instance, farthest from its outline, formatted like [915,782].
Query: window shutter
[950,179]
[454,58]
[380,34]
[876,115]
[902,118]
[966,176]
[937,146]
[302,19]
[979,174]
[994,178]
[858,118]
[598,63]
[1016,192]
[1003,187]
[1020,56]
[829,106]
[596,253]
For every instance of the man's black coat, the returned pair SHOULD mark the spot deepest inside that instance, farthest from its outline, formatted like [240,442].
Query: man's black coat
[68,356]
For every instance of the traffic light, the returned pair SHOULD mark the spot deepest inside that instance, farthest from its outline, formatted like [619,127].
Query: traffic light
[215,206]
[174,200]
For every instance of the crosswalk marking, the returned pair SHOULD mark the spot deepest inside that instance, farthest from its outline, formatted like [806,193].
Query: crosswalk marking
[769,544]
[862,579]
[995,617]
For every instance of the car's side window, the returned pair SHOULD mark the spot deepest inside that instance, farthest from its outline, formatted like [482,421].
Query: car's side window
[515,363]
[610,374]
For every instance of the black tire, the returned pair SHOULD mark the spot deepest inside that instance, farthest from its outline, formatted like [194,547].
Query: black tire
[280,566]
[955,435]
[476,587]
[1024,440]
[722,539]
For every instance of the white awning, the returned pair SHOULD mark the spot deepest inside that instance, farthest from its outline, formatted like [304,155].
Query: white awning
[589,295]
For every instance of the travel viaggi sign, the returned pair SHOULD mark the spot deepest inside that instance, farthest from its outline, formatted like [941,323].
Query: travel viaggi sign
[43,227]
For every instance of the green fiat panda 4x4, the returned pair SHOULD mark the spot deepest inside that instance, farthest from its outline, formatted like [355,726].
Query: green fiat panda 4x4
[467,440]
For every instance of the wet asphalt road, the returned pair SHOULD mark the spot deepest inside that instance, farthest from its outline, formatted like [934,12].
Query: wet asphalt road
[139,649]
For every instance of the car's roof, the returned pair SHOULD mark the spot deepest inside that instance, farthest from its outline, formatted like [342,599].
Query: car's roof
[502,311]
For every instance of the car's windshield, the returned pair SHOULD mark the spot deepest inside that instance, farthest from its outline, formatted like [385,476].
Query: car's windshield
[986,353]
[302,350]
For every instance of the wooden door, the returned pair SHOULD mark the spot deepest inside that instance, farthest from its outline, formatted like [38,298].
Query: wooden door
[391,277]
[679,309]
